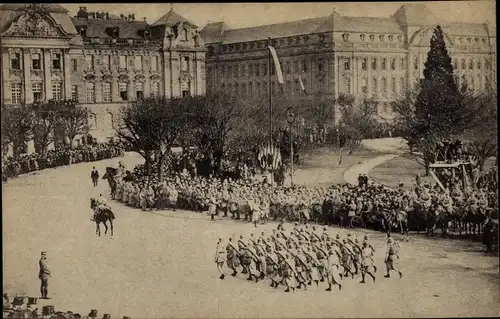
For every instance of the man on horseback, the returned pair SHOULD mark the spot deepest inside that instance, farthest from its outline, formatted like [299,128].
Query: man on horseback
[101,205]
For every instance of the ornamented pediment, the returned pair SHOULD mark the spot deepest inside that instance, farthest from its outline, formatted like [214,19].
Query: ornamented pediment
[155,77]
[57,76]
[140,78]
[123,78]
[36,77]
[35,24]
[15,78]
[107,77]
[90,77]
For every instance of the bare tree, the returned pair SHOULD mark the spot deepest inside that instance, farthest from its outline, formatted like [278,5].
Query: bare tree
[17,126]
[356,122]
[151,126]
[75,121]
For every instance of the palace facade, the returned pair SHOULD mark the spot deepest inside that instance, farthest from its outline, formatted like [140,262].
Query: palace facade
[98,59]
[363,56]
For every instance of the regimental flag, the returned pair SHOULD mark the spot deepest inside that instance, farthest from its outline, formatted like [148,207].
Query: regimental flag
[277,65]
[269,157]
[302,85]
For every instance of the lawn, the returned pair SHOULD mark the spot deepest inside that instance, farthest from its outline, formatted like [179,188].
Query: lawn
[321,167]
[404,169]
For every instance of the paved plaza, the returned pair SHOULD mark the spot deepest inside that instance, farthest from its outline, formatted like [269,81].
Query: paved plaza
[161,264]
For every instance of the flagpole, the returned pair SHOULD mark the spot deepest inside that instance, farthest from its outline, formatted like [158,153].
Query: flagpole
[270,97]
[270,106]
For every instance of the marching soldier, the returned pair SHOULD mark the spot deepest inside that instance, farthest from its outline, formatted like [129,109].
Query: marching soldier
[233,257]
[391,256]
[367,262]
[332,268]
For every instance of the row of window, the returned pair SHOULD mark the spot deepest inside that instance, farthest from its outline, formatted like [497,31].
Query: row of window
[16,91]
[257,69]
[375,88]
[381,37]
[36,61]
[122,88]
[265,43]
[375,65]
[137,62]
[57,91]
[250,88]
[464,64]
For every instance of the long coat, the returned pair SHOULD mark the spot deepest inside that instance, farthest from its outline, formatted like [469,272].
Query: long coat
[44,272]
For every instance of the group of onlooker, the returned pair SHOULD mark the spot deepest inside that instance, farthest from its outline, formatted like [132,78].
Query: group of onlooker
[26,163]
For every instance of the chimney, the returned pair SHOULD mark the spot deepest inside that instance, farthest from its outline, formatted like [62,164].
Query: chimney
[133,16]
[145,19]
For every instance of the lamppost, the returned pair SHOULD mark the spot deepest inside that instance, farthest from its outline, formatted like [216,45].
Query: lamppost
[290,118]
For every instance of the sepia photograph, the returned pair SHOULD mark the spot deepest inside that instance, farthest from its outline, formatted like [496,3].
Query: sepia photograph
[249,160]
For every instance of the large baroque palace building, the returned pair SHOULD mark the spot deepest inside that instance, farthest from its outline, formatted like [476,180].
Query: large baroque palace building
[362,56]
[99,59]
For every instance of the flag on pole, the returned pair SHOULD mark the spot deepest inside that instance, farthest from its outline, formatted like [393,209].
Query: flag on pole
[276,64]
[302,85]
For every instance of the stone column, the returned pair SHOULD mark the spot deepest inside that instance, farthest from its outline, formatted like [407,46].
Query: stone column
[46,72]
[369,72]
[131,89]
[5,85]
[28,92]
[98,90]
[336,77]
[66,65]
[115,90]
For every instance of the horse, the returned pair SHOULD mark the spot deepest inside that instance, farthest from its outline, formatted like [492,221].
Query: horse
[102,216]
[110,177]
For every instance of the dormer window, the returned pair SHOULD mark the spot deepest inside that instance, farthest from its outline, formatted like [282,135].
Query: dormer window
[461,40]
[245,46]
[391,37]
[251,45]
[345,36]
[186,34]
[362,37]
[83,31]
[259,45]
[469,40]
[289,40]
[372,37]
[476,40]
[297,40]
[484,40]
[400,38]
[306,39]
[321,38]
[381,37]
[282,42]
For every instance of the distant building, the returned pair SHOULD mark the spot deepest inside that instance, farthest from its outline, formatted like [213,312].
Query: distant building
[101,60]
[362,56]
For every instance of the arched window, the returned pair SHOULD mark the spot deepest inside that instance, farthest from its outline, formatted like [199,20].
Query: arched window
[186,35]
[106,92]
[90,92]
[384,86]
[374,85]
[362,37]
[15,91]
[155,89]
[123,91]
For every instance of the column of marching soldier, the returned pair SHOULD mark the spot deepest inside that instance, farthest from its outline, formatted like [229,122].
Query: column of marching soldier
[302,257]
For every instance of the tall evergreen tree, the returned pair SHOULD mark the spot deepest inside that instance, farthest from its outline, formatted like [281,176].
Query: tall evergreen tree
[438,105]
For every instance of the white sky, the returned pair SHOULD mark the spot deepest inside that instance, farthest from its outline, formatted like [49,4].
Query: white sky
[239,15]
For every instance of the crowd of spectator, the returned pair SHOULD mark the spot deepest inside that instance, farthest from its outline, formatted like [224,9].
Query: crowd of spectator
[27,163]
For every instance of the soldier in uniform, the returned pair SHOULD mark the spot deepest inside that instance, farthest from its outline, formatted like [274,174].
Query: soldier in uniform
[391,256]
[233,257]
[332,268]
[367,262]
[220,257]
[43,275]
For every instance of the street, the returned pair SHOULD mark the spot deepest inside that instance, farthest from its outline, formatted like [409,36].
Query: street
[161,264]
